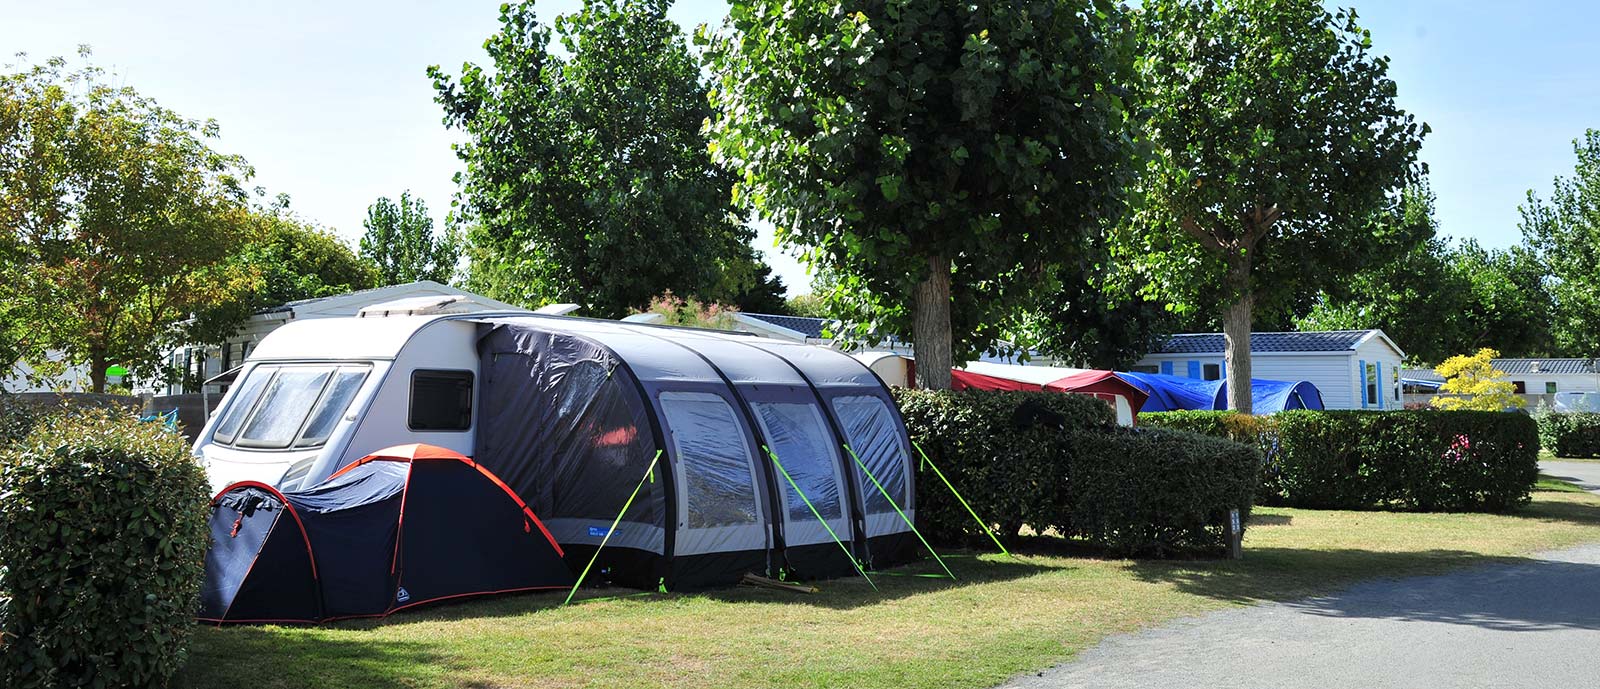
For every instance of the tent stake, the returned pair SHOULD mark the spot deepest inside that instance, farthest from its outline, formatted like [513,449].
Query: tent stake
[897,510]
[649,472]
[814,511]
[954,492]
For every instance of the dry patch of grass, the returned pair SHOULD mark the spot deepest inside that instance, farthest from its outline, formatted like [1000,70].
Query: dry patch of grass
[1003,617]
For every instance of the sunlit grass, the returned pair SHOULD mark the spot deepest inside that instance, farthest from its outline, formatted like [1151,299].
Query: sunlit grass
[1003,617]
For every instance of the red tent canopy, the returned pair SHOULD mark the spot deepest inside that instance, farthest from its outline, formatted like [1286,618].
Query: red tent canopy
[1102,384]
[967,380]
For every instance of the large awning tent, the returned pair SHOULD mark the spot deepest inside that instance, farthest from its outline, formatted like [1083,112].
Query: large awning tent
[1125,398]
[723,454]
[1177,393]
[402,527]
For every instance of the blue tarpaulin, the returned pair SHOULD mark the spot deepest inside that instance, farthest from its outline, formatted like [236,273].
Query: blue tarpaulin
[1172,393]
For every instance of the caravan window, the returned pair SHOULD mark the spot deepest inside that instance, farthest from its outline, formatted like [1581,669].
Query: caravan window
[711,449]
[869,427]
[441,400]
[274,403]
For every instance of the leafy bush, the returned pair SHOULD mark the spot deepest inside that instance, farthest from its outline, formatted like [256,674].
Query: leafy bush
[1575,434]
[102,539]
[1431,461]
[1058,462]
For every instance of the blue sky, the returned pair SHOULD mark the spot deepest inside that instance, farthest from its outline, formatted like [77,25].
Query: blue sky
[328,100]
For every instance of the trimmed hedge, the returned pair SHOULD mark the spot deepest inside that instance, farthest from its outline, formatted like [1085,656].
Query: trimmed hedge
[1059,463]
[1421,460]
[102,538]
[1570,434]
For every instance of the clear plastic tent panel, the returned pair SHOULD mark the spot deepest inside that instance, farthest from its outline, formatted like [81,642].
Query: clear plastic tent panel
[825,367]
[714,457]
[649,357]
[871,430]
[799,436]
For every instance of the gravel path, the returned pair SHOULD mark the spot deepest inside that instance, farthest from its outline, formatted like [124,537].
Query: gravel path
[1532,624]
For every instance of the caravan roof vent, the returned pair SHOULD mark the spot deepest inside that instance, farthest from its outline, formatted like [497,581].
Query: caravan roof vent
[418,306]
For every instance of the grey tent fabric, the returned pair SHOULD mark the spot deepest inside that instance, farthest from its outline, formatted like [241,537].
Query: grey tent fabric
[573,410]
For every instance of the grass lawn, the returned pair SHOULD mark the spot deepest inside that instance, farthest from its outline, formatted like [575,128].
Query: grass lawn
[1002,618]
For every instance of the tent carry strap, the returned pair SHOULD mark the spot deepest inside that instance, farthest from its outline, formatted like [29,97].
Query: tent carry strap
[954,492]
[897,509]
[818,514]
[649,475]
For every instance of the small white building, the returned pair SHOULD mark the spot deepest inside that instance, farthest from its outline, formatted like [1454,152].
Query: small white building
[1353,369]
[208,362]
[1537,381]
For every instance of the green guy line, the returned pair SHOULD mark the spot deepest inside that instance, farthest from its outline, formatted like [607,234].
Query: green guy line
[897,509]
[814,511]
[954,492]
[649,473]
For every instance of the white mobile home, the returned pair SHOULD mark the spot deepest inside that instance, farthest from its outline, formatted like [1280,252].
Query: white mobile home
[1353,369]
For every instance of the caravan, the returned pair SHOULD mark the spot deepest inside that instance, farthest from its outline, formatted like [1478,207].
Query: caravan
[764,451]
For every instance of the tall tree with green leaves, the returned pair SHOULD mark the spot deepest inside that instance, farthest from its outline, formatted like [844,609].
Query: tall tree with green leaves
[1564,235]
[587,176]
[121,215]
[941,159]
[400,243]
[1276,144]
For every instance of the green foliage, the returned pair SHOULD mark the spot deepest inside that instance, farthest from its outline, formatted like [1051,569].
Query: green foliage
[1429,461]
[1438,297]
[103,535]
[121,218]
[1134,492]
[400,243]
[587,177]
[1275,142]
[807,305]
[692,313]
[963,152]
[1575,434]
[1471,382]
[1564,234]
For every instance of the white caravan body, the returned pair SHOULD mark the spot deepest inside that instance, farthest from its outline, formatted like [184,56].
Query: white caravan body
[321,393]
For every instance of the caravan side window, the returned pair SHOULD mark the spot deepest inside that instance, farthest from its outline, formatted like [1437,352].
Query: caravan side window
[441,400]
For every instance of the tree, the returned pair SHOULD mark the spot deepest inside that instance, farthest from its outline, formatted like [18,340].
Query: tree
[587,177]
[121,216]
[400,243]
[1276,142]
[941,158]
[1477,383]
[1564,236]
[293,259]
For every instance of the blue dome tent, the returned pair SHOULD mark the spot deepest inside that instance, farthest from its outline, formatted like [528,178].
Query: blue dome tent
[1177,393]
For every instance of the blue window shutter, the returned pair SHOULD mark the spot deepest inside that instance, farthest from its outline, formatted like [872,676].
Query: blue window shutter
[1361,380]
[1194,369]
[1378,383]
[1166,368]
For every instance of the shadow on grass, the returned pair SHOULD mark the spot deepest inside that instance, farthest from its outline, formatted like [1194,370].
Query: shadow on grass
[255,657]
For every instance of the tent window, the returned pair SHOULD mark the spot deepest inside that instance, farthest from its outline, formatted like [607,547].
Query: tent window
[710,445]
[1213,372]
[441,401]
[870,429]
[797,434]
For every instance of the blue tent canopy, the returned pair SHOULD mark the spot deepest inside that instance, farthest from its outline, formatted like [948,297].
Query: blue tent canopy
[1172,393]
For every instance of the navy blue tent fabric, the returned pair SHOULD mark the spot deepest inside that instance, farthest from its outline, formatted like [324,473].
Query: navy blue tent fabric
[1177,393]
[384,534]
[1268,396]
[1173,393]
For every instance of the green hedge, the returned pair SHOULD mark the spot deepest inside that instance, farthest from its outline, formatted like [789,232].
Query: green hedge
[1575,434]
[1423,460]
[1071,470]
[102,539]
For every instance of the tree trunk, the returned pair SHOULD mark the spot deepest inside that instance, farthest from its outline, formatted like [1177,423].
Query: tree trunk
[930,334]
[97,370]
[1236,322]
